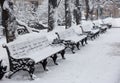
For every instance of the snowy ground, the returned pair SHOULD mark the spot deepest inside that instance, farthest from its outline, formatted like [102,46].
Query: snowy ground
[97,62]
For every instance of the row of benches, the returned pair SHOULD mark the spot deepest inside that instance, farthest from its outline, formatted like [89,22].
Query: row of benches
[23,55]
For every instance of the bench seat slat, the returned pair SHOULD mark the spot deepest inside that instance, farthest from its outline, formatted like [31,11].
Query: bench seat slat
[103,27]
[37,49]
[95,31]
[70,34]
[76,38]
[44,53]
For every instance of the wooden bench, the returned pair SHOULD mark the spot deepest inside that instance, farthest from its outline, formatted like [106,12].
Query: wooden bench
[92,34]
[71,39]
[24,55]
[102,28]
[107,24]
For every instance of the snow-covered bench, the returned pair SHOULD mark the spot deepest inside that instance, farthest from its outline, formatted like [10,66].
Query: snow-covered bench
[91,33]
[107,24]
[99,26]
[25,54]
[103,29]
[89,28]
[71,39]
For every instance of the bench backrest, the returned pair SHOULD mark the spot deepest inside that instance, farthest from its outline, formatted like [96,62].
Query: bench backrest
[78,30]
[25,48]
[67,33]
[87,25]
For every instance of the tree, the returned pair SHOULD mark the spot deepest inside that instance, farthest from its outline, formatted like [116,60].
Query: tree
[68,17]
[51,11]
[7,18]
[77,12]
[90,6]
[61,13]
[87,9]
[9,21]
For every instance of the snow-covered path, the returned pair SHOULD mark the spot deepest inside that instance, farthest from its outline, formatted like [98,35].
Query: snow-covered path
[97,62]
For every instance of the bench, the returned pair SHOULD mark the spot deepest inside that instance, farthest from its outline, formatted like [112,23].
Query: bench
[92,34]
[107,24]
[101,27]
[71,39]
[25,54]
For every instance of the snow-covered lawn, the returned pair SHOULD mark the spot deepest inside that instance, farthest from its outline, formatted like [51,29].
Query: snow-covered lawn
[97,62]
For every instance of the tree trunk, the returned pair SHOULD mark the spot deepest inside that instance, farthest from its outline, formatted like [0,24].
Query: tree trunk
[91,13]
[6,20]
[68,17]
[51,10]
[77,12]
[5,16]
[87,9]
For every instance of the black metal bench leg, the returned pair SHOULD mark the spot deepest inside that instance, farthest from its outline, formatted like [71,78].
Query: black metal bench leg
[31,71]
[2,71]
[91,38]
[62,54]
[94,36]
[97,34]
[9,76]
[77,45]
[54,59]
[44,64]
[82,42]
[86,41]
[72,48]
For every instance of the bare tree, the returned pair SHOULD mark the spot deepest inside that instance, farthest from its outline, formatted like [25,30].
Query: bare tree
[87,9]
[68,17]
[90,7]
[77,12]
[51,10]
[9,20]
[6,19]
